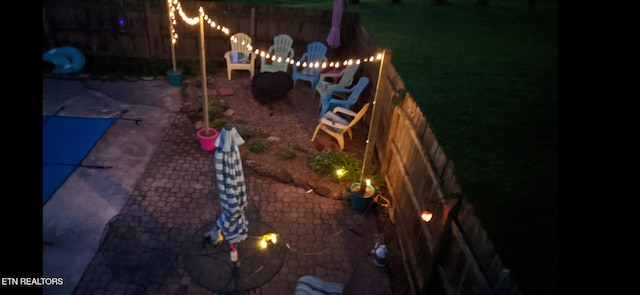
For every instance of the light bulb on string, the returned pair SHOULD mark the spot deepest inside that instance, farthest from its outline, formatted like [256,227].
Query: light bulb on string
[177,6]
[426,215]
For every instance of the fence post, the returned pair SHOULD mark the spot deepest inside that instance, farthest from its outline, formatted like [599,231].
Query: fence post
[253,22]
[47,31]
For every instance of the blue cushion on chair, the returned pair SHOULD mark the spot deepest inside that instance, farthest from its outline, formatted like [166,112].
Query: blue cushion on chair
[312,285]
[238,58]
[304,289]
[337,118]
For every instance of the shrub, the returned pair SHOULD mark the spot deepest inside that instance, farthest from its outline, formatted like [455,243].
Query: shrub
[256,146]
[245,130]
[217,108]
[380,184]
[328,162]
[217,123]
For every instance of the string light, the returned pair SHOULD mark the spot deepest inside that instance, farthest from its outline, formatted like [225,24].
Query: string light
[177,6]
[172,16]
[189,20]
[270,237]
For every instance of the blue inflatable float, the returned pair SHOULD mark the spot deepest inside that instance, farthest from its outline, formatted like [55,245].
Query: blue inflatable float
[66,59]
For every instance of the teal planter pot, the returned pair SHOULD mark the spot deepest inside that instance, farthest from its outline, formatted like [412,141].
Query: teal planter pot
[175,77]
[361,202]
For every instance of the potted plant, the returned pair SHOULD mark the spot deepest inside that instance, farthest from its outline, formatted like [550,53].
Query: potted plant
[361,195]
[207,135]
[211,112]
[175,76]
[346,167]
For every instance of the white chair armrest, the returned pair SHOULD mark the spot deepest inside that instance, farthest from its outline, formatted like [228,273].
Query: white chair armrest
[330,75]
[344,111]
[332,124]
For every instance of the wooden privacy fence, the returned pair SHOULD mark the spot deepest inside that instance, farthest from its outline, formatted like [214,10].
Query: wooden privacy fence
[141,28]
[449,255]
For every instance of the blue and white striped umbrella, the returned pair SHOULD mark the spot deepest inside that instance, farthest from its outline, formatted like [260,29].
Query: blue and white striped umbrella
[231,185]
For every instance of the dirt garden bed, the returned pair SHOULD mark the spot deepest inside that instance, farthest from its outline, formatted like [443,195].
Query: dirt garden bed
[286,129]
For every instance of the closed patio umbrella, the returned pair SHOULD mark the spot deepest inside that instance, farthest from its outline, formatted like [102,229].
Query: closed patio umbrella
[232,223]
[333,40]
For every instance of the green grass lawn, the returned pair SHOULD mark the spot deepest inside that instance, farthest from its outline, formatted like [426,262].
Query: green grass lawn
[487,80]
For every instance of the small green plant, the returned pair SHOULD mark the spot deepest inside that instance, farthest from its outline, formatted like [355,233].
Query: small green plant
[217,123]
[217,108]
[190,68]
[329,162]
[287,154]
[245,130]
[256,146]
[380,184]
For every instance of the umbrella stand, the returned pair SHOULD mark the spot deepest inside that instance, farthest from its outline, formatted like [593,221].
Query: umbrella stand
[234,252]
[213,269]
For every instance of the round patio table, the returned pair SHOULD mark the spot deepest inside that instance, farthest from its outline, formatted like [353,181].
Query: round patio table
[210,266]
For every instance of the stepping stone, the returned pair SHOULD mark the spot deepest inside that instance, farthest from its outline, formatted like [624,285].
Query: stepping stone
[229,113]
[225,91]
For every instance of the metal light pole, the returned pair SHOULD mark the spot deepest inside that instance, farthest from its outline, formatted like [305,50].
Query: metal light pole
[203,62]
[368,152]
[171,33]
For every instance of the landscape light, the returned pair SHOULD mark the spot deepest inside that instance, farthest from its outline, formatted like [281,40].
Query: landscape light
[426,215]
